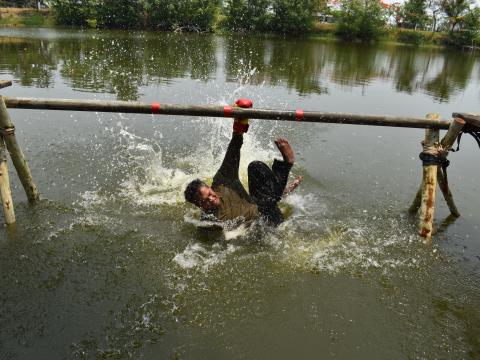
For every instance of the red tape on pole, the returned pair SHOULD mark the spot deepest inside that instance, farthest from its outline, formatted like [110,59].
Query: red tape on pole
[155,108]
[299,115]
[228,111]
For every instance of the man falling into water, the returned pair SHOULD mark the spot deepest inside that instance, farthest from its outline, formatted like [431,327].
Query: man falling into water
[227,199]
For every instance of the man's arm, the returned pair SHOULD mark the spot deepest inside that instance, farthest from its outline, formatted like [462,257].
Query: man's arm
[231,162]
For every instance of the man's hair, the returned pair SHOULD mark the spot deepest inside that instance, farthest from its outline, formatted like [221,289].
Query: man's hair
[192,190]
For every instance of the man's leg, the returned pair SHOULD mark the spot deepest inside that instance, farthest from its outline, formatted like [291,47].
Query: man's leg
[263,187]
[262,183]
[281,170]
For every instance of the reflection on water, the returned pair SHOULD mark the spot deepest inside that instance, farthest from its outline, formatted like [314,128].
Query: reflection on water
[112,263]
[121,64]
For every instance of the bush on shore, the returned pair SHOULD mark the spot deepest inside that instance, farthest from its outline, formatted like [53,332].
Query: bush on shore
[247,15]
[119,14]
[361,19]
[410,36]
[292,16]
[190,15]
[73,12]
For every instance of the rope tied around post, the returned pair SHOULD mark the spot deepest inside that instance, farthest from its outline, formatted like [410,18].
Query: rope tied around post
[436,154]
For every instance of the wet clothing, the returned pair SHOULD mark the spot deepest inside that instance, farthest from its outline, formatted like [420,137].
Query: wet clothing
[266,187]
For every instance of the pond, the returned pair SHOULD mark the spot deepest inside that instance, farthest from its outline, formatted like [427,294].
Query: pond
[111,264]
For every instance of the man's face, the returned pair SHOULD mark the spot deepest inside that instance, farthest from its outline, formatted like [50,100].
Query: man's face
[208,199]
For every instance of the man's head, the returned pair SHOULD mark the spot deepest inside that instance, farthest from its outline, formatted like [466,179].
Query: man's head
[200,194]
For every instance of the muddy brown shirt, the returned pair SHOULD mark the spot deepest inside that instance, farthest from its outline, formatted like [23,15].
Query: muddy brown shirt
[234,199]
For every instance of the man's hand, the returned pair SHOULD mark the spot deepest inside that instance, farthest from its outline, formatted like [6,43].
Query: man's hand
[240,126]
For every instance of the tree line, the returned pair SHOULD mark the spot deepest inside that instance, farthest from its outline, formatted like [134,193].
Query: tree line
[354,19]
[289,16]
[369,19]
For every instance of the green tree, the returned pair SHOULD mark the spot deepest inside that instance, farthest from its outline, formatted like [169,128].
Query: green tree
[415,14]
[249,15]
[190,15]
[361,19]
[470,32]
[293,16]
[73,12]
[455,10]
[119,14]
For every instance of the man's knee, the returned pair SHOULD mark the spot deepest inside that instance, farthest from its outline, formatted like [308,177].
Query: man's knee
[258,167]
[257,164]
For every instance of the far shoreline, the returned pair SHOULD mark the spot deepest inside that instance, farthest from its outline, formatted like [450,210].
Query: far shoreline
[30,18]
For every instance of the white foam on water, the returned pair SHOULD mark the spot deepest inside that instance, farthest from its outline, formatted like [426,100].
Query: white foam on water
[199,256]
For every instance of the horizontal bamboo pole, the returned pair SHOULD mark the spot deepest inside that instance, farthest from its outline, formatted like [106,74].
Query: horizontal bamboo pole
[470,118]
[219,111]
[5,83]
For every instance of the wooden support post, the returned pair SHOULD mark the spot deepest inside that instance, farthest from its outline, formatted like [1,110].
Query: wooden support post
[447,194]
[454,130]
[16,154]
[5,83]
[416,202]
[5,192]
[447,142]
[429,184]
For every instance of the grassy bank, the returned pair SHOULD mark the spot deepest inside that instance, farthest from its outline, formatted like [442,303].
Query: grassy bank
[17,17]
[401,36]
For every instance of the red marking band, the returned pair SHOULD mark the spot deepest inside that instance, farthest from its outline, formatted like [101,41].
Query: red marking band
[228,111]
[299,115]
[155,108]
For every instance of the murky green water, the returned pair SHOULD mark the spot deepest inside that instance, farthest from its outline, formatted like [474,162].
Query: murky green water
[111,265]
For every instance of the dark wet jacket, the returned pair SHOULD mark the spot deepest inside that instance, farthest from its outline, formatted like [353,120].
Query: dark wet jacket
[235,202]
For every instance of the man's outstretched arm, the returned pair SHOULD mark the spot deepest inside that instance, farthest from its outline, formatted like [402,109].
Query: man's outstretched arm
[231,162]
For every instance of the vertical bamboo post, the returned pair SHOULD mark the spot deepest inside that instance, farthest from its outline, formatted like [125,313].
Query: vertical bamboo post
[16,154]
[454,130]
[447,194]
[417,201]
[429,184]
[5,192]
[447,142]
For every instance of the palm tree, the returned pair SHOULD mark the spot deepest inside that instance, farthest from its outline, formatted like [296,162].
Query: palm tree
[454,9]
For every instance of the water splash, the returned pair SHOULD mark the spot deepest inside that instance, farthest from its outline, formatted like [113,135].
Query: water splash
[311,238]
